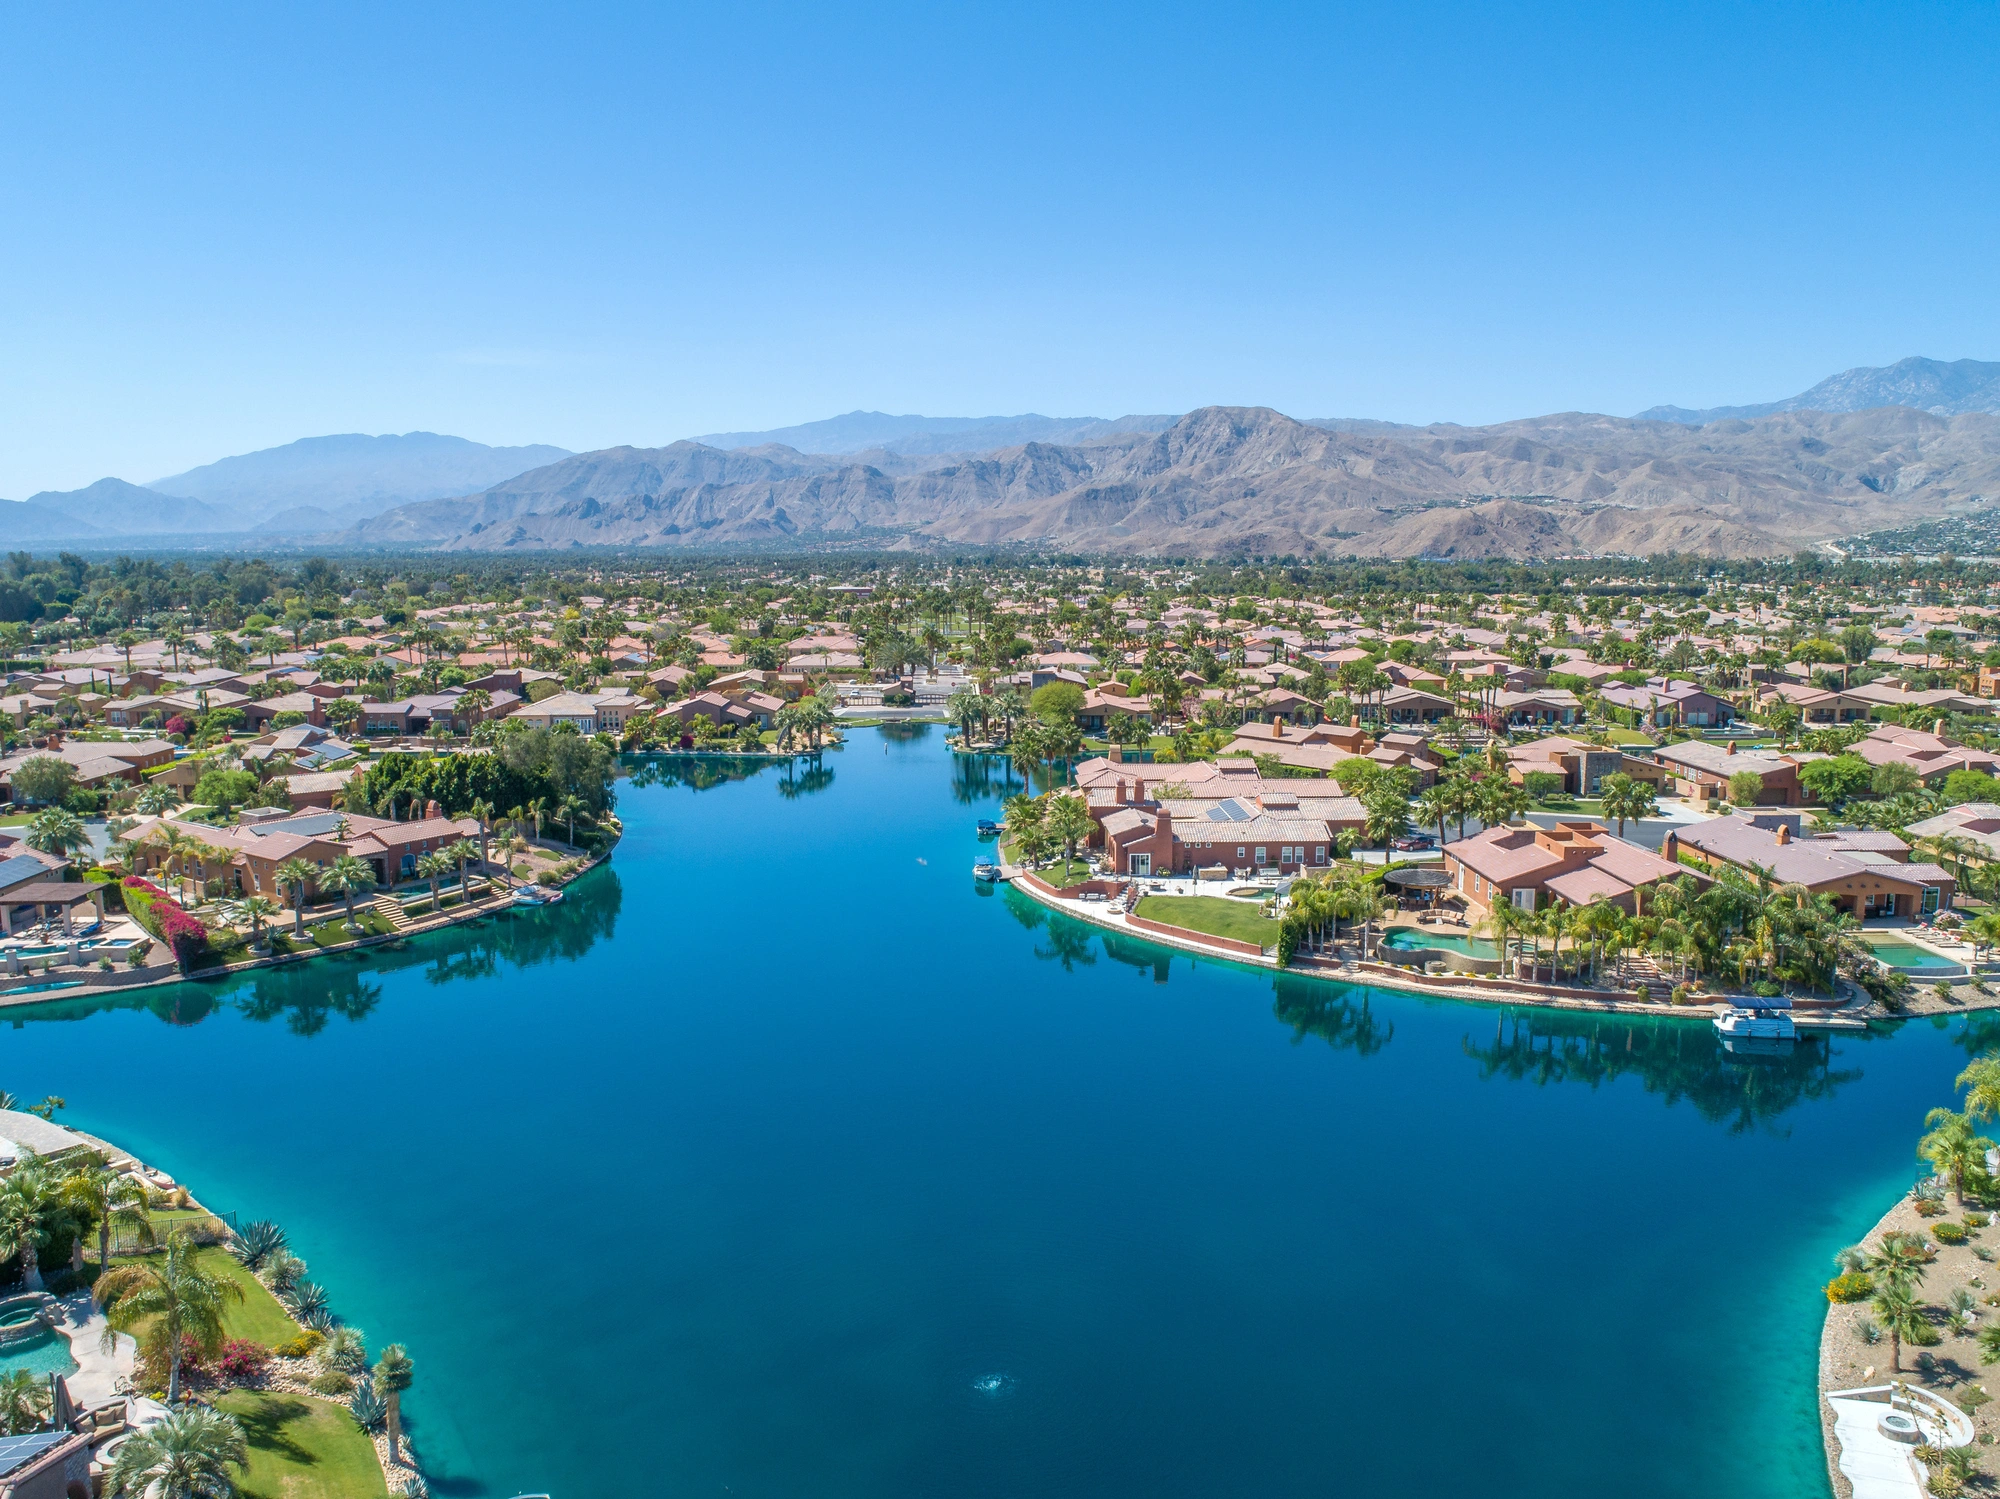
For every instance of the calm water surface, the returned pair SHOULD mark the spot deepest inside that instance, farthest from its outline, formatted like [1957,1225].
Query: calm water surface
[781,1160]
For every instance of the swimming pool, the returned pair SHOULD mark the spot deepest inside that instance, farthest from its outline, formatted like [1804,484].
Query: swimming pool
[1408,939]
[1913,959]
[47,1354]
[47,988]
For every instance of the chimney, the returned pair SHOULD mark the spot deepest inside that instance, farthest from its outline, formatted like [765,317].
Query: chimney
[1670,850]
[1138,788]
[1116,754]
[432,809]
[1121,791]
[1730,748]
[1784,834]
[1354,720]
[1277,728]
[1938,728]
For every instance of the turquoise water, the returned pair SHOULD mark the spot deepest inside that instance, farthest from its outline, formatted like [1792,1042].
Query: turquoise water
[784,1160]
[47,1354]
[1907,955]
[1409,939]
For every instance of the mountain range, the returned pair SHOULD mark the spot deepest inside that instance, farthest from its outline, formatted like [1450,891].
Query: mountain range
[1864,449]
[1934,385]
[1248,480]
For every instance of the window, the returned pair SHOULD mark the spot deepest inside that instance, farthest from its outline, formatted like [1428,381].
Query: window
[1523,898]
[1261,854]
[1319,853]
[1239,850]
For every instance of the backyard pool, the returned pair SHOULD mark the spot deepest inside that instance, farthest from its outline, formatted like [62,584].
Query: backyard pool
[1408,939]
[47,1354]
[1913,959]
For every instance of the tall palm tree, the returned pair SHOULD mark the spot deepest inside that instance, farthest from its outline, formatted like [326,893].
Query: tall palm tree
[24,1402]
[434,867]
[1069,819]
[348,876]
[567,808]
[1901,1316]
[99,1195]
[187,1455]
[27,1199]
[295,876]
[393,1374]
[180,1302]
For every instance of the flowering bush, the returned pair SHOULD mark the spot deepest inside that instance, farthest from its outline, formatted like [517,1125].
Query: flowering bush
[1951,1233]
[180,931]
[242,1359]
[1853,1286]
[177,725]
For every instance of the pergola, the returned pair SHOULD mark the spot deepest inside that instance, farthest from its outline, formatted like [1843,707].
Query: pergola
[41,894]
[1430,881]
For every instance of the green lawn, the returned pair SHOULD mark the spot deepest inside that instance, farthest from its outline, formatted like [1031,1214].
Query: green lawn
[258,1316]
[328,931]
[301,1448]
[1625,736]
[1217,915]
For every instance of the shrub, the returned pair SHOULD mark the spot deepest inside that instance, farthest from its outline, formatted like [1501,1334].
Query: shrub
[242,1359]
[546,877]
[1929,1207]
[301,1346]
[257,1243]
[135,955]
[1851,1286]
[345,1349]
[1684,994]
[331,1382]
[186,936]
[1951,1233]
[104,963]
[1978,1220]
[1765,989]
[369,1409]
[1866,1330]
[1942,990]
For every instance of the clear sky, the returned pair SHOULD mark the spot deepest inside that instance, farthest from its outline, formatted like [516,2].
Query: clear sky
[222,229]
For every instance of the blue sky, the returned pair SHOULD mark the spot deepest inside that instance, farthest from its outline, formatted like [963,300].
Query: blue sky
[586,225]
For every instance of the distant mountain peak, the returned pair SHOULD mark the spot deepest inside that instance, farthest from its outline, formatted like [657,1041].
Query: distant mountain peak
[1941,387]
[872,431]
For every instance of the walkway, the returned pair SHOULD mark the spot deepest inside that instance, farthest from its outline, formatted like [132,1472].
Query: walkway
[1877,1466]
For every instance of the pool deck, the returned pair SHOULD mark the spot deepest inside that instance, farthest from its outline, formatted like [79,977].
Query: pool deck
[1381,975]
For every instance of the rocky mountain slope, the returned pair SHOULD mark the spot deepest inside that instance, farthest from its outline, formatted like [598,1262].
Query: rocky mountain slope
[874,431]
[1933,385]
[1248,480]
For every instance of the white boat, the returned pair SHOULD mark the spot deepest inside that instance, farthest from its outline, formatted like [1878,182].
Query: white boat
[1768,1021]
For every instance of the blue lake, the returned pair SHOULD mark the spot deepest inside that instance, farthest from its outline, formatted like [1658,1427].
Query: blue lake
[783,1160]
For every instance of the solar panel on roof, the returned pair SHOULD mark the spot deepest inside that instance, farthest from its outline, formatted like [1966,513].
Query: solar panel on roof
[18,1452]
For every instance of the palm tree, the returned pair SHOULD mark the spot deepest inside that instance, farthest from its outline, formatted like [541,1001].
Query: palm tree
[187,1455]
[25,1200]
[1068,818]
[434,867]
[158,797]
[1952,1148]
[348,876]
[99,1195]
[1901,1316]
[393,1373]
[483,811]
[567,808]
[294,876]
[24,1402]
[178,1300]
[57,830]
[1626,800]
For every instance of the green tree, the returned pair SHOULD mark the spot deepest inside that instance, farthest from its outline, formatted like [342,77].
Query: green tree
[1836,779]
[347,877]
[174,1299]
[1068,818]
[434,867]
[1057,702]
[103,1198]
[1901,1316]
[1952,1148]
[1894,778]
[295,876]
[186,1455]
[57,831]
[44,778]
[1745,787]
[24,1402]
[1627,800]
[223,788]
[394,1372]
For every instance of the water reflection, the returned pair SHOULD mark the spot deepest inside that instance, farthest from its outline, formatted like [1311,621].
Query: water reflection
[979,778]
[697,772]
[308,996]
[1339,1016]
[1676,1061]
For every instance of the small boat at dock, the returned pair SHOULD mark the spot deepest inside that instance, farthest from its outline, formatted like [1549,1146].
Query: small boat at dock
[988,828]
[1758,1019]
[986,869]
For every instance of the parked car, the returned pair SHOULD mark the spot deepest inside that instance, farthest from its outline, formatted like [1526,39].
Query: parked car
[1411,842]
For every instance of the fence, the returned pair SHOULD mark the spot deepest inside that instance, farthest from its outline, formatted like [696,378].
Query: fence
[202,1226]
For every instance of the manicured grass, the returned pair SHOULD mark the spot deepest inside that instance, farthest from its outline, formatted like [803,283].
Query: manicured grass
[301,1448]
[1217,915]
[1626,736]
[257,1317]
[329,931]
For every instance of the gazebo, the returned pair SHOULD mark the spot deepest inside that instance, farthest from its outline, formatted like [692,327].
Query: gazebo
[1409,881]
[41,894]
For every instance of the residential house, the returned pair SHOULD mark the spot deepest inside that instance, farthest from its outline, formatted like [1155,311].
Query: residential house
[1540,705]
[1701,772]
[1867,875]
[1931,756]
[1663,701]
[1976,822]
[1583,767]
[1578,862]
